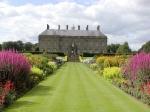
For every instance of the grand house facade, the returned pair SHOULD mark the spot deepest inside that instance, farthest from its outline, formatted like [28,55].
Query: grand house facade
[73,42]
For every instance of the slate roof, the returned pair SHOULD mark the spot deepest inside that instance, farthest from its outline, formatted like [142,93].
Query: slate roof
[84,33]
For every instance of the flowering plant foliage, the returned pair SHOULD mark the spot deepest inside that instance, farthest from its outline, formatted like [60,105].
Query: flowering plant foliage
[14,67]
[14,62]
[138,65]
[110,61]
[146,88]
[5,89]
[112,72]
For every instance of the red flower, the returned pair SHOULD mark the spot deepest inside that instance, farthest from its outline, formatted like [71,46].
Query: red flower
[146,88]
[6,88]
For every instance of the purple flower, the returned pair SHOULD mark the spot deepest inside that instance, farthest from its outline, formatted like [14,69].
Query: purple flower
[138,63]
[13,64]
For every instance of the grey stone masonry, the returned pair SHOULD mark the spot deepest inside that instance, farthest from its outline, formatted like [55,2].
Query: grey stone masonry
[73,42]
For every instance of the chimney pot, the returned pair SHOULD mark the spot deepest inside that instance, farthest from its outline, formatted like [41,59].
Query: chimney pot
[78,27]
[87,27]
[58,27]
[47,26]
[67,27]
[98,28]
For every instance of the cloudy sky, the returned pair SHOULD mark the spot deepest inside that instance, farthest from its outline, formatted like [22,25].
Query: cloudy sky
[120,20]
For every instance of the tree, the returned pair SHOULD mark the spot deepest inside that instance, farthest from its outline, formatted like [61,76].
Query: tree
[0,46]
[17,45]
[36,47]
[20,46]
[28,46]
[124,49]
[8,45]
[145,47]
[112,48]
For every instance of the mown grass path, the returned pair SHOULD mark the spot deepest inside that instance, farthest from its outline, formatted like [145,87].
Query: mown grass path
[75,88]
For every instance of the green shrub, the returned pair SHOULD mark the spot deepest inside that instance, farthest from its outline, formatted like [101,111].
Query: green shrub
[36,76]
[106,63]
[110,61]
[38,73]
[42,63]
[112,72]
[53,65]
[10,98]
[27,54]
[38,60]
[100,60]
[93,66]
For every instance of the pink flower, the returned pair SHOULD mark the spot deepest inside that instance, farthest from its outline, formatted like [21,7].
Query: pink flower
[138,63]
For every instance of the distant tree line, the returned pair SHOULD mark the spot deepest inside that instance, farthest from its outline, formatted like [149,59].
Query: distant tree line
[19,46]
[125,49]
[119,49]
[145,47]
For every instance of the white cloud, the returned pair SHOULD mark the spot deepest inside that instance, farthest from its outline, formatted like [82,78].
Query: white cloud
[121,21]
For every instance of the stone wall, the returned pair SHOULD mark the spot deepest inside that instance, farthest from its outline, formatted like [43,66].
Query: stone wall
[59,44]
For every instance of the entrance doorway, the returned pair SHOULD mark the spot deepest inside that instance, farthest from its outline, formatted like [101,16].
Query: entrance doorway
[73,52]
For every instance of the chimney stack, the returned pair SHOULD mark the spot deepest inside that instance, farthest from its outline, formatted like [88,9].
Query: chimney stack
[67,27]
[47,26]
[87,27]
[58,27]
[78,27]
[98,28]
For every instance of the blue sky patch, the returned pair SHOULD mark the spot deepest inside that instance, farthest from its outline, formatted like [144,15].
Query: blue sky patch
[39,2]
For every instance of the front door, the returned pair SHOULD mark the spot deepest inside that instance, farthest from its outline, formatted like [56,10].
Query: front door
[73,55]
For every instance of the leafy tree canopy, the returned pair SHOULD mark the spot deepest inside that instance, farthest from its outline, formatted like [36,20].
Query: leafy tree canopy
[19,46]
[112,48]
[124,49]
[145,47]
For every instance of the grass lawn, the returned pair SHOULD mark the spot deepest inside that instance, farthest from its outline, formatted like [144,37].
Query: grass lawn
[75,88]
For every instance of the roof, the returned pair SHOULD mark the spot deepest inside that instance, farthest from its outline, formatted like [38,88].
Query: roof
[85,33]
